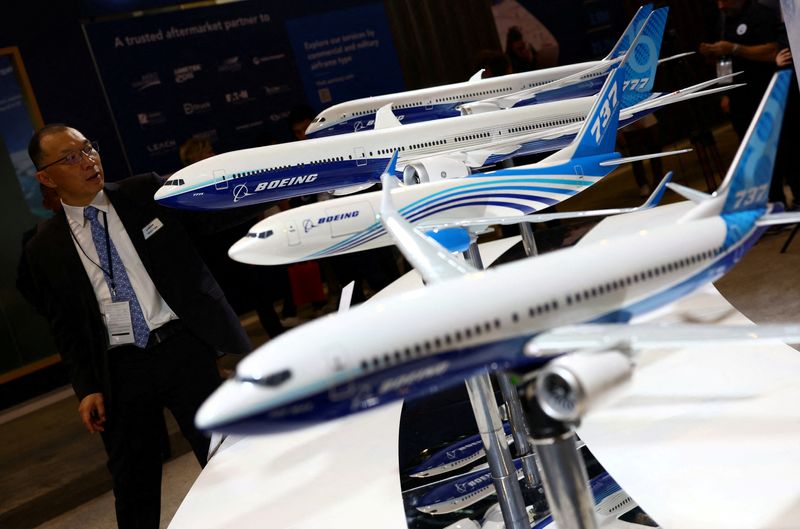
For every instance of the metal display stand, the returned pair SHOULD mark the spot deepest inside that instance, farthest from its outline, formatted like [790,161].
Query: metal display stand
[519,430]
[566,483]
[563,473]
[528,239]
[490,427]
[504,475]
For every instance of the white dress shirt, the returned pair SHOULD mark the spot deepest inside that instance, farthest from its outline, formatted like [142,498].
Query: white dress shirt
[155,309]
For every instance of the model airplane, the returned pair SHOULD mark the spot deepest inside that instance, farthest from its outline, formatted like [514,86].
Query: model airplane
[348,224]
[447,148]
[614,507]
[466,321]
[458,493]
[551,84]
[454,456]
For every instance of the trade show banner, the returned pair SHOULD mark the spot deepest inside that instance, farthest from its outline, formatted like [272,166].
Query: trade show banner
[16,128]
[343,55]
[232,72]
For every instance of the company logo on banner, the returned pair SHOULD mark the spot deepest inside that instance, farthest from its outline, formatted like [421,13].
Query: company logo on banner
[162,147]
[196,108]
[277,89]
[268,58]
[250,125]
[238,97]
[146,81]
[231,64]
[239,56]
[187,73]
[150,119]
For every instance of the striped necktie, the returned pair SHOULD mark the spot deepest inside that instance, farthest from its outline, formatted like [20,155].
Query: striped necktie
[123,290]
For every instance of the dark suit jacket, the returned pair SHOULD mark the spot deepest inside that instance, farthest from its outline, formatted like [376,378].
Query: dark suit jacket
[53,279]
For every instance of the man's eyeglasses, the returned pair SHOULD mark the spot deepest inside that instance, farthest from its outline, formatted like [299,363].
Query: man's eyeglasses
[73,157]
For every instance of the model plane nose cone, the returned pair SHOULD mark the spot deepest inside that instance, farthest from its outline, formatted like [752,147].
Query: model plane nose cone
[245,250]
[161,193]
[256,251]
[231,406]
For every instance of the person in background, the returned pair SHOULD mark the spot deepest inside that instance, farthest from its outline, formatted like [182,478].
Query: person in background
[643,137]
[247,287]
[138,319]
[747,33]
[521,53]
[787,164]
[494,63]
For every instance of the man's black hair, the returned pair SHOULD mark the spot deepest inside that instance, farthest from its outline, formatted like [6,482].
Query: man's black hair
[35,145]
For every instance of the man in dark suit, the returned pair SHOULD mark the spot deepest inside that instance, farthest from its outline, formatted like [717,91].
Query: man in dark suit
[137,317]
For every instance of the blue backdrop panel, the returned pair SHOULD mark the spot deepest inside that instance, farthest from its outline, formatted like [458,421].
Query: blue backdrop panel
[229,72]
[16,128]
[347,54]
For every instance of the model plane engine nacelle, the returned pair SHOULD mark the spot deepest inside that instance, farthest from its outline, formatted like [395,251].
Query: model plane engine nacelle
[570,385]
[432,170]
[478,107]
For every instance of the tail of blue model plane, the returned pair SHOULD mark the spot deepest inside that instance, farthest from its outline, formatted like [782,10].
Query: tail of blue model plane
[742,197]
[598,134]
[641,60]
[633,29]
[746,186]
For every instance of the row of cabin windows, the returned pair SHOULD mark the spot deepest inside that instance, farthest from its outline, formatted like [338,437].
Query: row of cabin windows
[473,136]
[438,100]
[624,502]
[640,276]
[487,92]
[415,146]
[538,83]
[592,75]
[553,123]
[427,347]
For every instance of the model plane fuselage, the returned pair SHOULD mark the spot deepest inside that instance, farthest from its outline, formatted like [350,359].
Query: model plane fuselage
[281,171]
[433,337]
[439,102]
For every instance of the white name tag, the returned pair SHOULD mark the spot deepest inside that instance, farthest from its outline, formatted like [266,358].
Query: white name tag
[152,227]
[118,322]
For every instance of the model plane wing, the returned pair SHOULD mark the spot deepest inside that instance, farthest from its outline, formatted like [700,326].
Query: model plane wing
[776,219]
[480,222]
[434,262]
[627,337]
[509,100]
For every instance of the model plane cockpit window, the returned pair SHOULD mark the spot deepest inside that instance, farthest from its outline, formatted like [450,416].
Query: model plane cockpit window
[273,380]
[174,182]
[260,234]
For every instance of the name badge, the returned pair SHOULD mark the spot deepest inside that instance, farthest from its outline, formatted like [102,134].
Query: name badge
[118,322]
[152,227]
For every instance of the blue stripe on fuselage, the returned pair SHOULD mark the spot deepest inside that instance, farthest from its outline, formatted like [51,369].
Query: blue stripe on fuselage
[267,186]
[460,363]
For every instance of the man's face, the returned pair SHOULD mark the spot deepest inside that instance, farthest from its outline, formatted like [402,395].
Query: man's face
[76,183]
[730,7]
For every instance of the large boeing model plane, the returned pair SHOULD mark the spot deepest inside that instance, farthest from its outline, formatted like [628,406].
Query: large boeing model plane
[467,321]
[429,151]
[551,84]
[348,224]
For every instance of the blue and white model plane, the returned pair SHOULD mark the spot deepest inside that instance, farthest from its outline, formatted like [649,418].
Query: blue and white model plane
[467,321]
[454,456]
[459,492]
[538,86]
[349,224]
[447,148]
